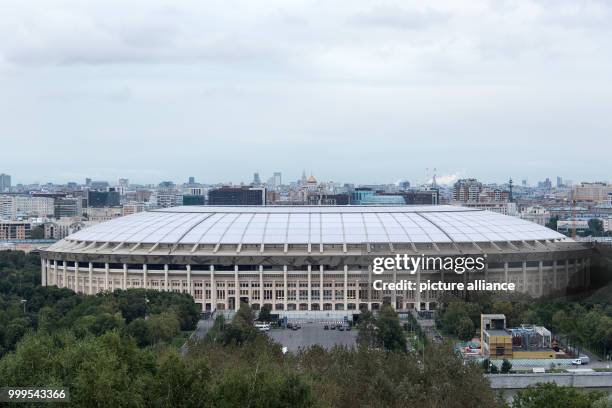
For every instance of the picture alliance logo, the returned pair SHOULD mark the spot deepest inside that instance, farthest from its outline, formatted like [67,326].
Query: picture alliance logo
[405,262]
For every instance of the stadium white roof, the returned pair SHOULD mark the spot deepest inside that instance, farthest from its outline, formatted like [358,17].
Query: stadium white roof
[193,225]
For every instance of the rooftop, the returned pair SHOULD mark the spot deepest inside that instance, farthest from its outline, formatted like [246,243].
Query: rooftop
[315,225]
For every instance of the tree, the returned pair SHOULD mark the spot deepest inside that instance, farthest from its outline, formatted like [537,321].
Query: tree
[37,232]
[552,222]
[163,326]
[595,227]
[389,332]
[506,366]
[550,395]
[366,337]
[465,329]
[265,313]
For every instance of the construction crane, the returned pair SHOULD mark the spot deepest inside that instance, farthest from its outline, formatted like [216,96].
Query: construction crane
[573,218]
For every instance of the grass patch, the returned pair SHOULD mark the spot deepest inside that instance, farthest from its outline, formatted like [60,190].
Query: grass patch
[180,339]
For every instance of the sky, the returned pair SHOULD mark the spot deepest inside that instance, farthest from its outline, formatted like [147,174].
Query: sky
[351,91]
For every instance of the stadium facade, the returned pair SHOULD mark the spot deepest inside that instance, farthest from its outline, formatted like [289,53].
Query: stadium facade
[308,258]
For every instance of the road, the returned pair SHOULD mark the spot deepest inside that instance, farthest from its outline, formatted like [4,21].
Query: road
[199,333]
[311,334]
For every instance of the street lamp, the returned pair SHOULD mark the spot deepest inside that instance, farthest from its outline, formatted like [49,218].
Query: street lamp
[23,302]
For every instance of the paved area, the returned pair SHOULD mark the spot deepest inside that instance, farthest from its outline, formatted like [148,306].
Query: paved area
[199,333]
[311,334]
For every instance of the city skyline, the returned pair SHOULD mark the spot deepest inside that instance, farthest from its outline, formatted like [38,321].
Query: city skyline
[427,178]
[358,91]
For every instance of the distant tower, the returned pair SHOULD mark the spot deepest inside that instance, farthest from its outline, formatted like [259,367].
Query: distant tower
[256,179]
[510,194]
[433,182]
[303,180]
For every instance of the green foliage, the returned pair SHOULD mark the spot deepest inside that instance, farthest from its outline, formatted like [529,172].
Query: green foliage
[550,395]
[239,331]
[388,330]
[37,232]
[506,366]
[458,318]
[367,337]
[51,309]
[465,329]
[265,313]
[552,222]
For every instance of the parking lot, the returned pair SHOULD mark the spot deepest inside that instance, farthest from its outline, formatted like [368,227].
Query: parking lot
[311,334]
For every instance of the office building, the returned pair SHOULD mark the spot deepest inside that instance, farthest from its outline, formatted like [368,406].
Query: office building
[5,183]
[237,196]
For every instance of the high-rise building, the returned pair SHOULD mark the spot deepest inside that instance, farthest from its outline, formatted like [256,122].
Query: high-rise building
[97,199]
[67,207]
[559,182]
[467,190]
[14,230]
[191,180]
[596,192]
[23,206]
[166,198]
[277,181]
[5,183]
[256,179]
[237,196]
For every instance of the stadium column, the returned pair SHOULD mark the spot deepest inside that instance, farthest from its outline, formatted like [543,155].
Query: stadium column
[567,272]
[394,292]
[189,279]
[506,272]
[555,274]
[43,272]
[65,282]
[309,287]
[418,291]
[55,272]
[574,275]
[90,277]
[166,277]
[144,275]
[285,287]
[106,267]
[369,300]
[261,288]
[76,276]
[357,289]
[236,289]
[541,277]
[345,287]
[213,289]
[321,291]
[125,270]
[525,287]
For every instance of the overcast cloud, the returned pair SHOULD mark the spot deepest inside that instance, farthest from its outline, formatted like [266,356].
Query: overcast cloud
[361,91]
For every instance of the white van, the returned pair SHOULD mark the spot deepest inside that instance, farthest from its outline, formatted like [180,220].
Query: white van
[264,327]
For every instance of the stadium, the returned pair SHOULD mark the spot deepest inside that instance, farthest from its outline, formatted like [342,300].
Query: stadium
[308,258]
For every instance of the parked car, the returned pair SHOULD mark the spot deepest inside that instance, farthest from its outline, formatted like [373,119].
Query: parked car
[333,327]
[585,359]
[263,327]
[326,327]
[349,328]
[577,361]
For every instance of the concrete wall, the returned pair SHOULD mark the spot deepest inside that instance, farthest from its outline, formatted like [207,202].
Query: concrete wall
[580,380]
